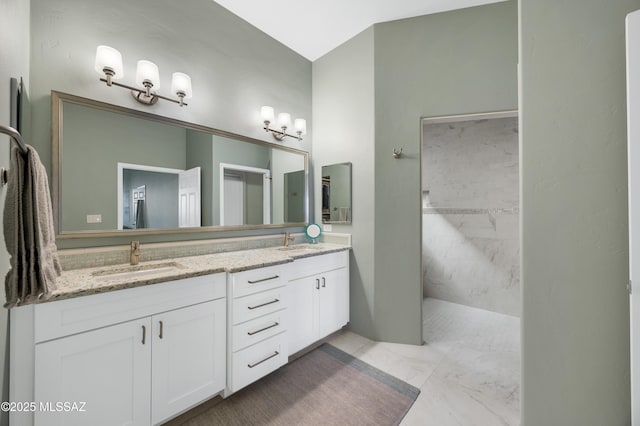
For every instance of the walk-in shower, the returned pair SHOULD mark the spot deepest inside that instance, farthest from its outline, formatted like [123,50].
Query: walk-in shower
[470,210]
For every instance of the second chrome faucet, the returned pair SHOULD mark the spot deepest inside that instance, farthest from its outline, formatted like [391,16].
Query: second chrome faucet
[288,238]
[135,252]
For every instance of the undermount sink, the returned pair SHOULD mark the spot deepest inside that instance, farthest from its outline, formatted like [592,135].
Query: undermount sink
[136,271]
[300,247]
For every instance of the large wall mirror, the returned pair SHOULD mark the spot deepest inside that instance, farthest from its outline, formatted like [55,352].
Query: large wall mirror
[117,171]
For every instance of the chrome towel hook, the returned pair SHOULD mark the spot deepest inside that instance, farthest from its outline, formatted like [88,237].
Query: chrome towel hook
[397,153]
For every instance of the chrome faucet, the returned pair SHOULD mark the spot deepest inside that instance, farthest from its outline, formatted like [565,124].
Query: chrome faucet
[135,252]
[288,238]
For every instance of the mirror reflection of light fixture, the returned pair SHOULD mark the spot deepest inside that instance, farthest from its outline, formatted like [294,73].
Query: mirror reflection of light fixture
[109,63]
[284,122]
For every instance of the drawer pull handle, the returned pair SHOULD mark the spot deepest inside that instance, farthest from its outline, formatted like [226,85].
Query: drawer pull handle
[161,329]
[275,353]
[251,333]
[263,304]
[324,284]
[144,334]
[263,279]
[317,283]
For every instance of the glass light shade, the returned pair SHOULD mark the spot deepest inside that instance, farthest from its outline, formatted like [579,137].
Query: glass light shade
[108,57]
[267,114]
[181,82]
[300,125]
[284,119]
[147,70]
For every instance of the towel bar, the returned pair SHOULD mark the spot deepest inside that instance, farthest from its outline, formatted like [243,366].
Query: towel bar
[17,138]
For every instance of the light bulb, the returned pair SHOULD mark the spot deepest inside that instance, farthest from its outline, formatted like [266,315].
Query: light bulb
[148,71]
[267,114]
[284,120]
[181,83]
[300,125]
[110,59]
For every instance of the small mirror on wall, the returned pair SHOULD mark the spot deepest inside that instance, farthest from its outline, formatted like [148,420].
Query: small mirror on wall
[336,193]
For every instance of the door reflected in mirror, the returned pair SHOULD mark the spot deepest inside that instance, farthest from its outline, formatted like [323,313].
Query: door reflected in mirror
[158,197]
[336,193]
[245,195]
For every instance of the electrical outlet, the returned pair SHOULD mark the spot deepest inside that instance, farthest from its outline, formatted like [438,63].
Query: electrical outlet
[94,218]
[327,228]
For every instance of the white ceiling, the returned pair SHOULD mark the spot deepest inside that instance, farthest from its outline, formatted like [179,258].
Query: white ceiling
[314,27]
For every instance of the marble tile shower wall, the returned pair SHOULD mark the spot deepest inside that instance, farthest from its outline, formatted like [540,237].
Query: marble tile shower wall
[470,213]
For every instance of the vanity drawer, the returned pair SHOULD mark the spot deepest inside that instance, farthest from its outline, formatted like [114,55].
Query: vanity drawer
[259,329]
[254,362]
[258,304]
[319,264]
[255,280]
[83,313]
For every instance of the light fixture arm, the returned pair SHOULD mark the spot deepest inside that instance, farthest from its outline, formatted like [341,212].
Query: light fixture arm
[109,72]
[281,134]
[147,85]
[145,96]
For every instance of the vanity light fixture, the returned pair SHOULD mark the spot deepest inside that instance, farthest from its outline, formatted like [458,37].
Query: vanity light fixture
[284,122]
[109,63]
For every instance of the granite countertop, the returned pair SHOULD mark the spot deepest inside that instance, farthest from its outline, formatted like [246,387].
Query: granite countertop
[82,282]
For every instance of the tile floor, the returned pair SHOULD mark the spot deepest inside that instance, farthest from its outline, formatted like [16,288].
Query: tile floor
[468,371]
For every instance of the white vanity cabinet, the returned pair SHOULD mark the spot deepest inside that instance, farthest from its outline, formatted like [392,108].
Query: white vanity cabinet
[137,356]
[188,357]
[318,290]
[106,370]
[256,338]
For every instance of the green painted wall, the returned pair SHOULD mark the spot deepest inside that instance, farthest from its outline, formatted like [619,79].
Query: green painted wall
[368,97]
[343,113]
[235,69]
[575,319]
[457,62]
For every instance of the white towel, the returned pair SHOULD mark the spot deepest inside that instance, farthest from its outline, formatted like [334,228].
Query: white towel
[28,231]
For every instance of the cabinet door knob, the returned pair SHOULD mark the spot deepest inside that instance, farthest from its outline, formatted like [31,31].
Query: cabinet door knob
[324,283]
[144,334]
[161,329]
